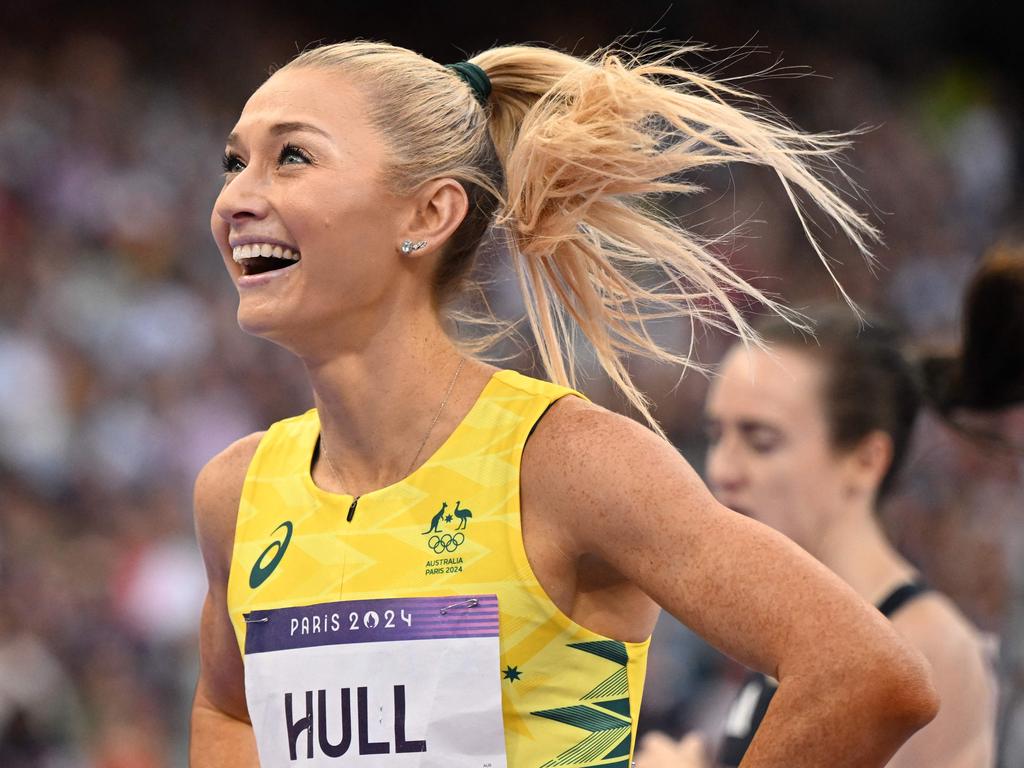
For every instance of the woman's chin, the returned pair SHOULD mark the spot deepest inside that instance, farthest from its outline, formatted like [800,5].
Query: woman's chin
[262,321]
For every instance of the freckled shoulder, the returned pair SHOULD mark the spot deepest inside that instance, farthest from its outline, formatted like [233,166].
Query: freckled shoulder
[581,452]
[218,491]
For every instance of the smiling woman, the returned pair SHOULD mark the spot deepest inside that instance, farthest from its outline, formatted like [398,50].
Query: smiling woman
[494,546]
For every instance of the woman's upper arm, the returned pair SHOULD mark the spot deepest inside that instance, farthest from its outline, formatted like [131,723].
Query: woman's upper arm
[218,490]
[626,496]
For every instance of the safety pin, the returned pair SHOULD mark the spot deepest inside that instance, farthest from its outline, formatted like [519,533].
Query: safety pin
[246,616]
[471,603]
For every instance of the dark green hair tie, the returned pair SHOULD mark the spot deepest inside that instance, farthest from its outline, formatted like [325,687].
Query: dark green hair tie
[474,77]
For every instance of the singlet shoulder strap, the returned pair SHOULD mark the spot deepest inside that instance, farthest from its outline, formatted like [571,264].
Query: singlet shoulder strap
[539,387]
[902,595]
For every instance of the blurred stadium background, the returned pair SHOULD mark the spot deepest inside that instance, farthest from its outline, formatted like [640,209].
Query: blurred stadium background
[123,370]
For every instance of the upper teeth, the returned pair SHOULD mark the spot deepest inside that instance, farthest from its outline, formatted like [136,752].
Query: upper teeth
[266,250]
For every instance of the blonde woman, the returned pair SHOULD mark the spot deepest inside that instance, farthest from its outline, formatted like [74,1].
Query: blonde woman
[448,564]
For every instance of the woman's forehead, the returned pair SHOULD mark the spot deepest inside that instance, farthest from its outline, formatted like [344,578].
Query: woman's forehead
[317,97]
[782,380]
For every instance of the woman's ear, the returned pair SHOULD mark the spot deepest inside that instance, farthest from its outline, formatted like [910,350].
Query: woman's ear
[868,463]
[439,207]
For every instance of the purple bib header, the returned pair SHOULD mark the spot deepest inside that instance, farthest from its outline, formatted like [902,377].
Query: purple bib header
[371,621]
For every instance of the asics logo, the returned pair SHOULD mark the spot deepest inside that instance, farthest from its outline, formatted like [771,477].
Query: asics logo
[261,571]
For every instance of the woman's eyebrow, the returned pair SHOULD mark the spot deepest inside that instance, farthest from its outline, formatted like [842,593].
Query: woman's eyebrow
[277,129]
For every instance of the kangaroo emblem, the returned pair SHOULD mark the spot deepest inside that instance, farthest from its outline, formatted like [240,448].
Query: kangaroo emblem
[463,515]
[436,519]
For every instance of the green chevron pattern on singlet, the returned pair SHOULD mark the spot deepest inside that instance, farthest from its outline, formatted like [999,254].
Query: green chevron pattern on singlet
[608,722]
[612,650]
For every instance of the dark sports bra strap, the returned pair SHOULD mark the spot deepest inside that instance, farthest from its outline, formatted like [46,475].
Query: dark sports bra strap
[901,596]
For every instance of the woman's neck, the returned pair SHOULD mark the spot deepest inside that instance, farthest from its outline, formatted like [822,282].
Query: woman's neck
[856,549]
[377,404]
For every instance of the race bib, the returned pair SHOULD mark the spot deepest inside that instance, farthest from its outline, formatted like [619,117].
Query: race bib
[400,683]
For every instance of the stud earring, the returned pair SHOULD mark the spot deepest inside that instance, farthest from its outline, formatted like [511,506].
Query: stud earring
[408,246]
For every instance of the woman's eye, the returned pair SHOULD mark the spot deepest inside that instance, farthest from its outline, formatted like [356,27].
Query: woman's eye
[764,443]
[290,155]
[290,152]
[231,163]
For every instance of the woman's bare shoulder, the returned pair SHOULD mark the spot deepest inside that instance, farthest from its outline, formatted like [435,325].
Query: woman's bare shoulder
[582,452]
[574,428]
[940,630]
[218,490]
[959,655]
[963,676]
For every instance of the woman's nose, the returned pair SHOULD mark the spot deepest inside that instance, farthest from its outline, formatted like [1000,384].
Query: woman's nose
[724,468]
[242,197]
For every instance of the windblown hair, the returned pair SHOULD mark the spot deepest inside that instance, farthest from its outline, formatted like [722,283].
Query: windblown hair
[569,159]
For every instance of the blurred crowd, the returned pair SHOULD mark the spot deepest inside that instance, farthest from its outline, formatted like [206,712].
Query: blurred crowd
[125,371]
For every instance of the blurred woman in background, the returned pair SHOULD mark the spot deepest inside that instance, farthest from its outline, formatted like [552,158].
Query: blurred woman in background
[808,438]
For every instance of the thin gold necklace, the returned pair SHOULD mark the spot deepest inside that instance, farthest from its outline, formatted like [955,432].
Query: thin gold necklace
[444,402]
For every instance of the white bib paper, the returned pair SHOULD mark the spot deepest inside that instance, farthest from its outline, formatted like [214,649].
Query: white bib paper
[400,683]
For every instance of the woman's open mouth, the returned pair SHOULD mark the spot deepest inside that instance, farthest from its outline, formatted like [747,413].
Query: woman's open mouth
[257,258]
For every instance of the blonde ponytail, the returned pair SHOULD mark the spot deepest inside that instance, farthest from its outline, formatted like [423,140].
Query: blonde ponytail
[584,168]
[570,158]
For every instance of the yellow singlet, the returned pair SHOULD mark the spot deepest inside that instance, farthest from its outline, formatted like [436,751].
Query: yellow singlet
[570,697]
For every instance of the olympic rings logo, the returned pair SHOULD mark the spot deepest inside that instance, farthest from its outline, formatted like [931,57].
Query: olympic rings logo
[446,542]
